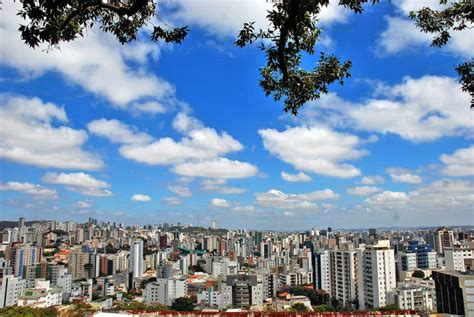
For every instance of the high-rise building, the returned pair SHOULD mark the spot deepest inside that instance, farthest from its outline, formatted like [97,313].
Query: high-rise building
[344,282]
[26,255]
[454,292]
[79,265]
[11,288]
[136,258]
[444,239]
[246,290]
[376,275]
[323,271]
[454,257]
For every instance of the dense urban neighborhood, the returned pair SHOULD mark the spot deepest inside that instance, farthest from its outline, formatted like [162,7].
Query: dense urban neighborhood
[101,267]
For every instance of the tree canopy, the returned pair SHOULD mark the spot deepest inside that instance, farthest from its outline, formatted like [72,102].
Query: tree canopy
[293,31]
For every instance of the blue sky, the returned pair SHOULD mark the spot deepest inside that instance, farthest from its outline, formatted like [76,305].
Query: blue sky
[148,133]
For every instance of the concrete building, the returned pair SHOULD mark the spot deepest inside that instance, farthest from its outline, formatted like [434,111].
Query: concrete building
[454,292]
[43,295]
[344,281]
[26,255]
[376,275]
[454,257]
[246,290]
[165,291]
[11,288]
[413,297]
[136,258]
[444,238]
[78,264]
[323,271]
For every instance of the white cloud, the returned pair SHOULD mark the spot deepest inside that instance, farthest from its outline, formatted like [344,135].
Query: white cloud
[172,201]
[182,191]
[96,62]
[402,175]
[82,183]
[184,123]
[216,168]
[300,177]
[140,197]
[278,199]
[372,180]
[218,185]
[30,136]
[247,208]
[28,188]
[363,190]
[315,149]
[220,203]
[417,109]
[435,198]
[83,204]
[388,198]
[402,34]
[205,143]
[460,163]
[117,132]
[226,18]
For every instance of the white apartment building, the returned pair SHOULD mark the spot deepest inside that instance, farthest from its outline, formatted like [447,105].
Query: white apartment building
[214,298]
[11,288]
[136,258]
[165,291]
[42,296]
[413,297]
[376,275]
[323,271]
[454,258]
[344,270]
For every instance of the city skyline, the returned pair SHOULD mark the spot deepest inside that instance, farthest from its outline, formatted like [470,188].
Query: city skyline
[152,133]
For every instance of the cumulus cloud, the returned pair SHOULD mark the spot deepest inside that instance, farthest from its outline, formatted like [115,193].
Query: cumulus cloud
[417,109]
[182,191]
[277,199]
[201,144]
[372,180]
[226,18]
[30,135]
[363,190]
[82,183]
[402,34]
[220,203]
[222,168]
[299,177]
[95,62]
[403,175]
[28,188]
[315,149]
[439,196]
[140,197]
[387,198]
[460,163]
[184,123]
[218,186]
[117,132]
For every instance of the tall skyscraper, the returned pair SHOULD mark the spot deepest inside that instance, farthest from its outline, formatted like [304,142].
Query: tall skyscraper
[136,258]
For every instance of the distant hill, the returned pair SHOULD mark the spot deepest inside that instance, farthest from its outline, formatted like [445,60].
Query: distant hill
[12,224]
